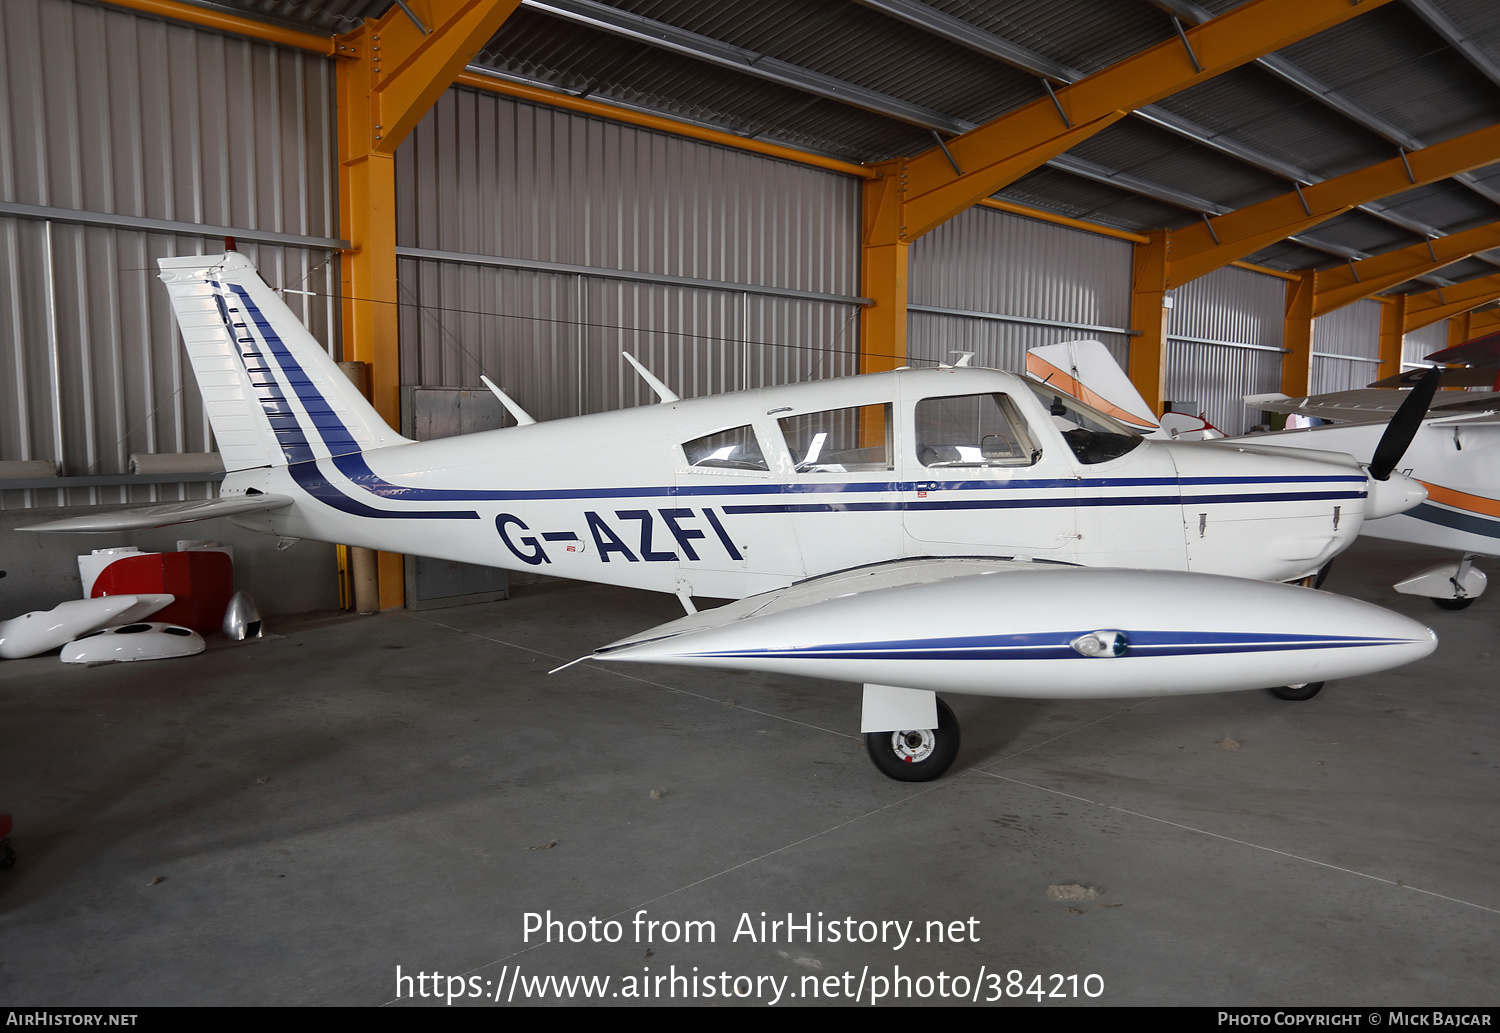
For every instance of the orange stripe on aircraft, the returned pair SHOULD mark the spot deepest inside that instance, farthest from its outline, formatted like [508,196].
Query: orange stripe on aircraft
[1055,377]
[1462,500]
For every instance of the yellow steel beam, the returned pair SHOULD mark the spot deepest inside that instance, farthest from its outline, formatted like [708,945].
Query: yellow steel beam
[222,21]
[1430,306]
[1481,323]
[1002,150]
[1150,314]
[1203,247]
[1297,336]
[1343,285]
[1392,335]
[405,70]
[389,74]
[882,276]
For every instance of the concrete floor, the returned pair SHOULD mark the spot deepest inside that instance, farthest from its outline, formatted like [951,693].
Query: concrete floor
[287,821]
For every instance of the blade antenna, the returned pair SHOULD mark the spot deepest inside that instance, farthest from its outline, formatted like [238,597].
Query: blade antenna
[522,417]
[662,391]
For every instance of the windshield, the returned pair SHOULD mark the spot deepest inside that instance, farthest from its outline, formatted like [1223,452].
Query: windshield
[1093,436]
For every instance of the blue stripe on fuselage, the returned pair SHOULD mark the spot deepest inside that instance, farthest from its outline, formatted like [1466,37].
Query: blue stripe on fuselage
[1470,522]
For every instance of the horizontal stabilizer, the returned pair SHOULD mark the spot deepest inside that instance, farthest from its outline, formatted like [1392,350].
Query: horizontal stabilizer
[163,516]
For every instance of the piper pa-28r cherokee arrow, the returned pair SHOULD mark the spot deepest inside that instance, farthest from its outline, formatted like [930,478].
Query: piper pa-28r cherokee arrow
[951,529]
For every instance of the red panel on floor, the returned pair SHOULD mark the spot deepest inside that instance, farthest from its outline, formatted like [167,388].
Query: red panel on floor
[202,581]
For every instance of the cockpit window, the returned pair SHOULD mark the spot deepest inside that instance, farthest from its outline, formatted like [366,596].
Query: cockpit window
[840,440]
[734,449]
[1093,436]
[972,431]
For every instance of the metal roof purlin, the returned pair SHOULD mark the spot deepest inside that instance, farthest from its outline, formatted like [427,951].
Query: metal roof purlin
[704,48]
[1336,101]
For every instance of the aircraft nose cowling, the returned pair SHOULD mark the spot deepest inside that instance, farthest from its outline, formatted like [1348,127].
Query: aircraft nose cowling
[1069,632]
[1396,495]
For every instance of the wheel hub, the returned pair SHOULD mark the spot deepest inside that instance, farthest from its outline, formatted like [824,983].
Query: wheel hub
[913,746]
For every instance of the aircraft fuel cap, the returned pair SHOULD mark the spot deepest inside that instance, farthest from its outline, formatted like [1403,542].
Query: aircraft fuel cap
[1101,644]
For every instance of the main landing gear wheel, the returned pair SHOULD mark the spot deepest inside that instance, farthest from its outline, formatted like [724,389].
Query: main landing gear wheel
[1297,693]
[1453,604]
[916,755]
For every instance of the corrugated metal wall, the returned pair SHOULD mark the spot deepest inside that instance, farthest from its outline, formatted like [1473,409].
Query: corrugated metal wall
[1418,344]
[1353,330]
[111,113]
[1224,343]
[990,262]
[485,175]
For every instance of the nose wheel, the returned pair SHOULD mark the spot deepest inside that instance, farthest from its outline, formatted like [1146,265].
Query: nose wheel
[1297,693]
[916,754]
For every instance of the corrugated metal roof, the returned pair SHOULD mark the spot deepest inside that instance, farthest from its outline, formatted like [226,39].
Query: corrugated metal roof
[1327,105]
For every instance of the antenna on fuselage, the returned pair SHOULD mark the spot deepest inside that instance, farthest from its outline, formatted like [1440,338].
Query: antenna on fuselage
[662,391]
[963,360]
[522,417]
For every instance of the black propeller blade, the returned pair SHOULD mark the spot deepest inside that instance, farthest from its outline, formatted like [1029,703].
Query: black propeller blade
[1404,425]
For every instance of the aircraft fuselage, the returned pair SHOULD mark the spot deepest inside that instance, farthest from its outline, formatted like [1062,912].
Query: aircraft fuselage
[735,494]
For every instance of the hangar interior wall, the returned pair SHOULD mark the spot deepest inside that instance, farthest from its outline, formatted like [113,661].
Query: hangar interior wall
[997,284]
[1346,347]
[1223,342]
[718,269]
[138,126]
[1421,343]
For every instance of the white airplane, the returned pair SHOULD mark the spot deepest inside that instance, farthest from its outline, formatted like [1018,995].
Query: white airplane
[955,529]
[1454,449]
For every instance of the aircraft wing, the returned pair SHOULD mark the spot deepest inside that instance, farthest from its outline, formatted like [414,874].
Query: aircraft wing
[162,516]
[1003,627]
[1365,405]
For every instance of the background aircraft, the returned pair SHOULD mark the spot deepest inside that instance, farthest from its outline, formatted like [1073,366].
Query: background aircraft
[1456,456]
[950,529]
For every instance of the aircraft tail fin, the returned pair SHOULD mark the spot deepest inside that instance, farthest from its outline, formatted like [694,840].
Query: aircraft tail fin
[1087,371]
[272,394]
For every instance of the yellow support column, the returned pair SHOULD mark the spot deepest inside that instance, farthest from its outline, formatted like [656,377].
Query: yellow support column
[1297,336]
[390,72]
[882,271]
[1392,335]
[1151,314]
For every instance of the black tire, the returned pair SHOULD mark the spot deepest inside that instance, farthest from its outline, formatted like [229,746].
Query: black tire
[918,755]
[1322,574]
[1297,693]
[7,854]
[1453,604]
